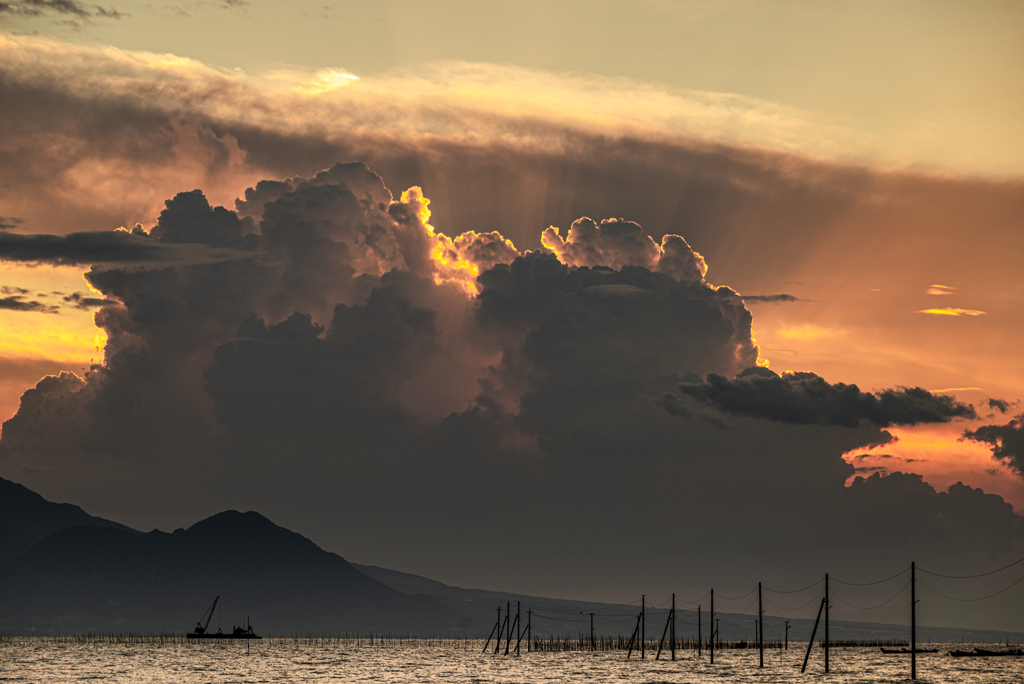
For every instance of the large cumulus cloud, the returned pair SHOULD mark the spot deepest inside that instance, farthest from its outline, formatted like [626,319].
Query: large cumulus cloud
[345,367]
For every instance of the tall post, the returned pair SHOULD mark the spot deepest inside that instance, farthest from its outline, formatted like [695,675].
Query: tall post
[913,621]
[711,626]
[592,646]
[529,629]
[643,623]
[673,625]
[508,632]
[786,648]
[700,637]
[519,629]
[826,623]
[760,623]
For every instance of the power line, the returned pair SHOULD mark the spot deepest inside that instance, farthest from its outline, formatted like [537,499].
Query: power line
[891,598]
[737,598]
[867,584]
[984,574]
[795,591]
[813,600]
[953,598]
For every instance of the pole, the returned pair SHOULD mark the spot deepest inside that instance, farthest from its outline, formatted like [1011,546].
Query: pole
[643,623]
[673,625]
[496,626]
[711,626]
[519,633]
[664,633]
[913,620]
[700,637]
[632,639]
[787,636]
[501,628]
[826,623]
[760,621]
[529,629]
[508,632]
[814,631]
[592,646]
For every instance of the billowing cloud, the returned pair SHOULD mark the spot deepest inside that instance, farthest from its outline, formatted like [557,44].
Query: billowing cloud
[616,243]
[357,363]
[1007,441]
[326,350]
[805,398]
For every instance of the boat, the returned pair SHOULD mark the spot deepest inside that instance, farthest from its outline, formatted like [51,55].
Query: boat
[985,653]
[907,651]
[201,630]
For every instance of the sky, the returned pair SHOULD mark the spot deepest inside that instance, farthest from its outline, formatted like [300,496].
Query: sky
[467,290]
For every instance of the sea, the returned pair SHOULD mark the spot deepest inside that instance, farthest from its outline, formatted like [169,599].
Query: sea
[173,660]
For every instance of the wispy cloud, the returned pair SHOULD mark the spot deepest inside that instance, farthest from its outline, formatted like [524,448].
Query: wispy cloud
[941,290]
[952,312]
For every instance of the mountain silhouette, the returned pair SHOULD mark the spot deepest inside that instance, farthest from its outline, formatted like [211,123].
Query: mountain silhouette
[91,578]
[26,518]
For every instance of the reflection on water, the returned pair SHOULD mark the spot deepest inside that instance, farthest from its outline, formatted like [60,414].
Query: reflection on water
[302,660]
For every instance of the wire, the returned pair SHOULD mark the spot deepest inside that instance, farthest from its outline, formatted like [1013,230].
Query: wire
[853,605]
[737,598]
[953,598]
[795,591]
[867,584]
[816,598]
[984,574]
[693,603]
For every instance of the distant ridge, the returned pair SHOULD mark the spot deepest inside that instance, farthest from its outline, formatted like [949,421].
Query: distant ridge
[26,518]
[82,579]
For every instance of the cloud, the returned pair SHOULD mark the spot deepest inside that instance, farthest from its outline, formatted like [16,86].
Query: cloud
[771,299]
[952,312]
[10,222]
[941,290]
[805,398]
[18,303]
[106,248]
[1000,405]
[1007,441]
[366,355]
[81,300]
[71,11]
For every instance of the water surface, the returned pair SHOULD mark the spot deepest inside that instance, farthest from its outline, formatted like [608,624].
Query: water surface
[302,660]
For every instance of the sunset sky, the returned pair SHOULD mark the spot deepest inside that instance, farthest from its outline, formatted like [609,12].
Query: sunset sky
[850,175]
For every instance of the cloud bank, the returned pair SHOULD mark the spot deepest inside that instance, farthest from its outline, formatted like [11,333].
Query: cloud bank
[355,363]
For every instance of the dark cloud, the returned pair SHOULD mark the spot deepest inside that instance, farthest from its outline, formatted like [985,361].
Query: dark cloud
[805,398]
[18,303]
[111,247]
[60,8]
[80,300]
[350,364]
[10,222]
[11,290]
[1007,441]
[771,299]
[1000,405]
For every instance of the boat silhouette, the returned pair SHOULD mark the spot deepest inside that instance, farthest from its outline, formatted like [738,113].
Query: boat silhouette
[201,630]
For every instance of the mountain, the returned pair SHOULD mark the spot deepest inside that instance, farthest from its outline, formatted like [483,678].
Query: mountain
[27,518]
[104,579]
